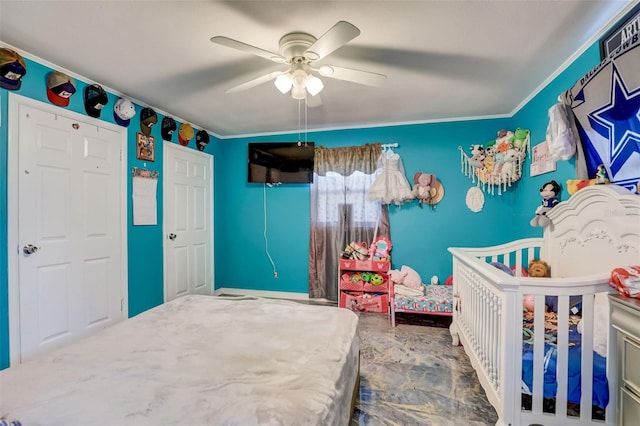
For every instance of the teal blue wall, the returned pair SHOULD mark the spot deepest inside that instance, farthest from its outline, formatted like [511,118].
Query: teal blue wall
[420,236]
[144,245]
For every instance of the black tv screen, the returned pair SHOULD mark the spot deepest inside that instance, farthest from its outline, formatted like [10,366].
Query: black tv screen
[280,162]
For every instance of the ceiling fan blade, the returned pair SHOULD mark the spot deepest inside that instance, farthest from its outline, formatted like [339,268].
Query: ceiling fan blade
[355,76]
[336,37]
[255,82]
[244,47]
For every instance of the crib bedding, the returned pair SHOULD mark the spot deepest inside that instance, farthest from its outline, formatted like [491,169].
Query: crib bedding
[196,360]
[437,299]
[600,394]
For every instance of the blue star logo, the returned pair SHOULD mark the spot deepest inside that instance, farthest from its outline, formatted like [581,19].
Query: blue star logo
[619,122]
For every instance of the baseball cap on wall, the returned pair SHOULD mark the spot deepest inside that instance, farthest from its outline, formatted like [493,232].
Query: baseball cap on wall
[60,87]
[95,98]
[148,118]
[12,69]
[185,133]
[123,111]
[168,127]
[202,139]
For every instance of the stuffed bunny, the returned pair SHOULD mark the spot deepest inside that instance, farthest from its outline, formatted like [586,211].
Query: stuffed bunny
[423,182]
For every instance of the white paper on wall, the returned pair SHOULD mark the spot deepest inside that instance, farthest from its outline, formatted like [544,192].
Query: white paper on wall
[145,183]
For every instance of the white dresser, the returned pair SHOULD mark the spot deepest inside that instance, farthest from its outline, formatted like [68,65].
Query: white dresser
[625,319]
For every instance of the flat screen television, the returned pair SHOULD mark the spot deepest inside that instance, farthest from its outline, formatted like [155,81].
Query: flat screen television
[280,162]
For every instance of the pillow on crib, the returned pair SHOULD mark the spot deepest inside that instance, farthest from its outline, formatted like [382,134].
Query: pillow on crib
[412,279]
[504,268]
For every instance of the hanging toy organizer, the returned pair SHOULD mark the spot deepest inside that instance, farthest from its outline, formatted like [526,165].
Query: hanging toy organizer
[496,166]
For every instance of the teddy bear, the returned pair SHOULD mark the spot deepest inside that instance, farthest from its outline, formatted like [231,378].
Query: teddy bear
[549,192]
[423,182]
[537,269]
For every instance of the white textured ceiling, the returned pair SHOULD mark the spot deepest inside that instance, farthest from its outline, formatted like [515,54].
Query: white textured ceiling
[444,59]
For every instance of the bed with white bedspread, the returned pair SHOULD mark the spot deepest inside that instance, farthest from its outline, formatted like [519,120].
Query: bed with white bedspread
[534,372]
[197,360]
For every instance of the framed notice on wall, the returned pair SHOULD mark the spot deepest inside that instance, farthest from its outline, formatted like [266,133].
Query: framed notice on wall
[542,162]
[145,147]
[625,32]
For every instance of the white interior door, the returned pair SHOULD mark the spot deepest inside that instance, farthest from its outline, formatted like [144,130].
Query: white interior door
[69,239]
[188,221]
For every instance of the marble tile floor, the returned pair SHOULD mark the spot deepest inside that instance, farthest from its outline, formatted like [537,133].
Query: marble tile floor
[412,375]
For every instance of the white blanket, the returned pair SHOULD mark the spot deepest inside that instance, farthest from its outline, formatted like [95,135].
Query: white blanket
[198,360]
[403,290]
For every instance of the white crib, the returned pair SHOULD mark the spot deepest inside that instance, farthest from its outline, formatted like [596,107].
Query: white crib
[596,230]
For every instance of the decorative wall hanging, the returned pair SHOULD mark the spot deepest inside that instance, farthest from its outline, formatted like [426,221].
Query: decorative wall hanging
[542,161]
[605,105]
[145,147]
[427,188]
[390,185]
[498,164]
[475,199]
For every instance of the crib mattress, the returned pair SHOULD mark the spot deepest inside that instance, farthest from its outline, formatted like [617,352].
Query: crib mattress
[196,360]
[437,299]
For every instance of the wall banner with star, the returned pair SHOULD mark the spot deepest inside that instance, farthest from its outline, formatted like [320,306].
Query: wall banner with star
[606,106]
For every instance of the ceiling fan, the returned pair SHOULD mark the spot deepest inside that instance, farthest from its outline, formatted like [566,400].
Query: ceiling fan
[300,50]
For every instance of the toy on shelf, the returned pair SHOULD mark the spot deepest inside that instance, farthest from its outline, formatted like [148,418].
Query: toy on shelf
[498,164]
[380,249]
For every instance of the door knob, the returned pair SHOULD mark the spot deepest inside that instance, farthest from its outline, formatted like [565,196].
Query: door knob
[172,236]
[29,249]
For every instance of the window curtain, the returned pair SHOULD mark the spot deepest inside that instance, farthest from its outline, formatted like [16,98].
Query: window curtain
[340,211]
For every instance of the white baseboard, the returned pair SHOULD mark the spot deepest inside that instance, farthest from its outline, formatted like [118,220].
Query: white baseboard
[261,293]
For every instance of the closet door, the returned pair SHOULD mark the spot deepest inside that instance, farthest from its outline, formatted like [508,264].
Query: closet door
[188,221]
[69,228]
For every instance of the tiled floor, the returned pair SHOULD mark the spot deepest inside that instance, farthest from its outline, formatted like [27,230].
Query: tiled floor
[412,375]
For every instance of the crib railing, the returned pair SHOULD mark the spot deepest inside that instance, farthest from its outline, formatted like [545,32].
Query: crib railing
[488,319]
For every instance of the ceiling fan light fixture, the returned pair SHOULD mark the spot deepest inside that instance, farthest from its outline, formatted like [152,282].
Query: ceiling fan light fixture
[298,92]
[314,85]
[283,83]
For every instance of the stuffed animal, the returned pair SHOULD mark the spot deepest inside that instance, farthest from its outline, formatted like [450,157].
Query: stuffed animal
[539,268]
[423,182]
[503,140]
[601,175]
[476,150]
[396,276]
[549,192]
[519,138]
[509,170]
[376,279]
[411,279]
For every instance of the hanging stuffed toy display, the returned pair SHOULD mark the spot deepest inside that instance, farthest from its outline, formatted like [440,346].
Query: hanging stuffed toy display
[498,164]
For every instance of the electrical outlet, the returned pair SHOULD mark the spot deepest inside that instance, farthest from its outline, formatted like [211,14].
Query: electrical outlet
[275,274]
